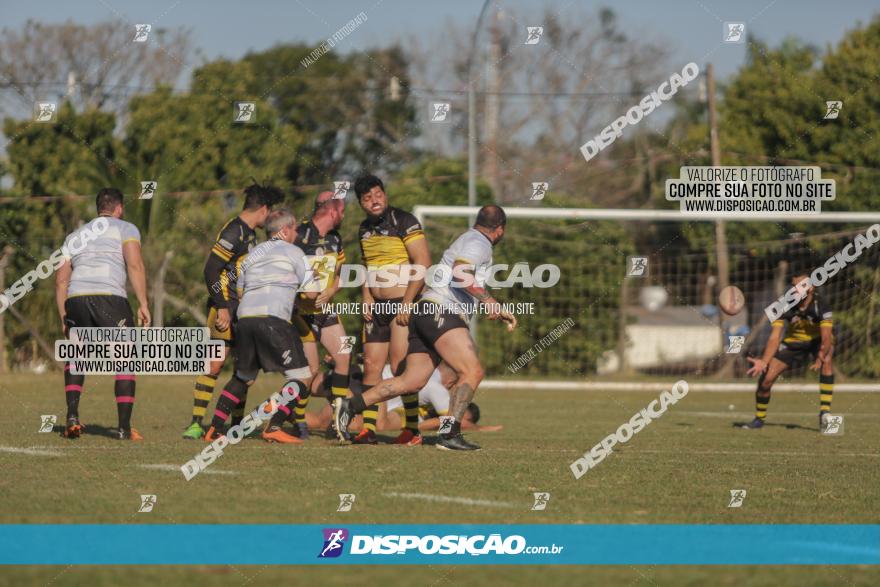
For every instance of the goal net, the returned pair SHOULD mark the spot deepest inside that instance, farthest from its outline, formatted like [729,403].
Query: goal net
[598,322]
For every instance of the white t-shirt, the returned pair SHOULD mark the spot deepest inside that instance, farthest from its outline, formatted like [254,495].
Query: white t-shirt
[95,254]
[472,248]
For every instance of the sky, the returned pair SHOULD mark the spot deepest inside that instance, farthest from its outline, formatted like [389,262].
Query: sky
[225,28]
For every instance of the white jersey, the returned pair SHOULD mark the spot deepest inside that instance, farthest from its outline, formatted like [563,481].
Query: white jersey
[95,254]
[432,394]
[472,248]
[270,277]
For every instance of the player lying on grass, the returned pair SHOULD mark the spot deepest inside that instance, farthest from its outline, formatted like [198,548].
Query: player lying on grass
[390,240]
[433,403]
[808,334]
[90,292]
[438,331]
[232,245]
[265,337]
[319,238]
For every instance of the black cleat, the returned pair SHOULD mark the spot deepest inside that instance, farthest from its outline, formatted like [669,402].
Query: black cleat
[331,432]
[755,424]
[454,442]
[342,415]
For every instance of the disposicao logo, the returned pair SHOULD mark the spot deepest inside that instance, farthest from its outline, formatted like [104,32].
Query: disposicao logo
[334,542]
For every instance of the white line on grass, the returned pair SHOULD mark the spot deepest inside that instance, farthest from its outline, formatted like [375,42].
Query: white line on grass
[176,469]
[34,452]
[445,499]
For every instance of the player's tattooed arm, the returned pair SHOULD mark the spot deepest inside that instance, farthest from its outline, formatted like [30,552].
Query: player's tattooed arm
[463,273]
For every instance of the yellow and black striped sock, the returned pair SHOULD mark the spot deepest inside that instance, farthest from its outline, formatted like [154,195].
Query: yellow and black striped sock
[762,399]
[826,389]
[202,393]
[339,385]
[371,414]
[411,411]
[299,412]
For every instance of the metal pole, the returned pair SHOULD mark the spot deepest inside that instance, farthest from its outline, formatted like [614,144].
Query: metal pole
[472,115]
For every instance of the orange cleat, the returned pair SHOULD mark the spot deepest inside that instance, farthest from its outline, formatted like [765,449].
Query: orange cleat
[365,436]
[276,434]
[128,434]
[73,429]
[212,434]
[409,438]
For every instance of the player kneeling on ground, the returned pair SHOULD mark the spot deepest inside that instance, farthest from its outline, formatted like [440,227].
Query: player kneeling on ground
[438,331]
[265,337]
[808,334]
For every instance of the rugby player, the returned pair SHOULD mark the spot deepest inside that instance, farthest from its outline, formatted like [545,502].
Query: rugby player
[266,338]
[808,335]
[438,331]
[319,237]
[237,237]
[90,292]
[433,403]
[390,239]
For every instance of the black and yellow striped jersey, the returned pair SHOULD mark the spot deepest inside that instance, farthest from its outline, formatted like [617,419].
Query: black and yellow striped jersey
[384,239]
[234,242]
[804,324]
[313,244]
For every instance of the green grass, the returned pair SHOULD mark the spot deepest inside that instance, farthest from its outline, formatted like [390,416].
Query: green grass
[680,469]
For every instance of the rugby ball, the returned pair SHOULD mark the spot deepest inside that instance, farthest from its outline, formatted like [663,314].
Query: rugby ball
[731,300]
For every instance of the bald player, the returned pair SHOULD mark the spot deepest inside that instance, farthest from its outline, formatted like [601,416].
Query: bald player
[320,240]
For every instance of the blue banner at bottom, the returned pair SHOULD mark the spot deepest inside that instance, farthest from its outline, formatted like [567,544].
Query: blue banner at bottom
[475,544]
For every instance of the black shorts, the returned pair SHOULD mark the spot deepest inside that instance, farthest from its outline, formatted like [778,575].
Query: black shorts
[379,328]
[309,326]
[790,353]
[428,323]
[97,311]
[271,344]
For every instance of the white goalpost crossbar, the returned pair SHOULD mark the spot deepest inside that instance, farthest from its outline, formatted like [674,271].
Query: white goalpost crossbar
[423,212]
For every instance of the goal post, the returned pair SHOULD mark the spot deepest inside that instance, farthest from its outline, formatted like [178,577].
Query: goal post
[628,330]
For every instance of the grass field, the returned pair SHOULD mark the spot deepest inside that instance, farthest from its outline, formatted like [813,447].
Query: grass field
[680,469]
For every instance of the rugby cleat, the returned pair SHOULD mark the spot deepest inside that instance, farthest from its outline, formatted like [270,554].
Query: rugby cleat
[342,415]
[301,430]
[454,442]
[128,434]
[409,438]
[276,434]
[194,432]
[331,433]
[213,434]
[365,436]
[755,424]
[73,429]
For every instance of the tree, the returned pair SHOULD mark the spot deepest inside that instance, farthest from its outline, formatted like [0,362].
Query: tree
[96,66]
